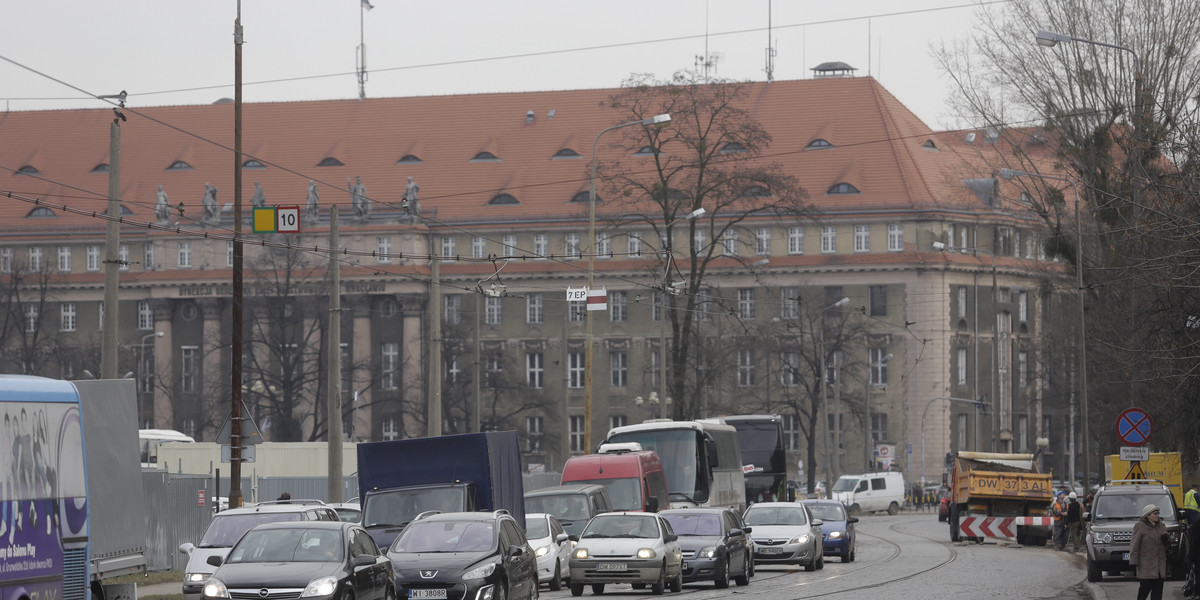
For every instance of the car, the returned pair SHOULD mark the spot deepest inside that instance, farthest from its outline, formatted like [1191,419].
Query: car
[633,547]
[551,545]
[785,533]
[464,556]
[837,527]
[350,512]
[228,526]
[1116,507]
[715,545]
[573,503]
[308,559]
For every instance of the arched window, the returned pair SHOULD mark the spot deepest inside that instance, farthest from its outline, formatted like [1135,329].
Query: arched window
[504,199]
[818,144]
[582,197]
[567,153]
[40,212]
[409,159]
[28,170]
[485,156]
[733,148]
[756,191]
[330,161]
[100,168]
[253,164]
[842,188]
[644,151]
[929,145]
[179,165]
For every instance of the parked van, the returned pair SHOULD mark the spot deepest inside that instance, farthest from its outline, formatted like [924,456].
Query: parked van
[634,477]
[572,504]
[871,492]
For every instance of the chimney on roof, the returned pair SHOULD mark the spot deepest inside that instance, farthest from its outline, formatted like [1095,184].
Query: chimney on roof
[529,117]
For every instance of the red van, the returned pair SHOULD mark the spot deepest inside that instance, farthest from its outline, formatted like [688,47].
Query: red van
[634,477]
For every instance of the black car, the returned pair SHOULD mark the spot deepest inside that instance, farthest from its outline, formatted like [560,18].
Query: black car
[464,556]
[715,545]
[308,559]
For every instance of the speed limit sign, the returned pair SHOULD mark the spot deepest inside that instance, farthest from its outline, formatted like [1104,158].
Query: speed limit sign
[287,219]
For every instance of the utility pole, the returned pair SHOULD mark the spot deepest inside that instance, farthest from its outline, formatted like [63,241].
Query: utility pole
[334,342]
[112,242]
[434,426]
[235,410]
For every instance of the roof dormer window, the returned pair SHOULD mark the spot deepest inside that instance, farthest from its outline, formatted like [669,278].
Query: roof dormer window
[567,153]
[40,212]
[582,198]
[504,199]
[330,161]
[485,156]
[818,144]
[756,191]
[842,188]
[179,165]
[929,145]
[644,151]
[100,168]
[253,164]
[28,170]
[409,159]
[733,148]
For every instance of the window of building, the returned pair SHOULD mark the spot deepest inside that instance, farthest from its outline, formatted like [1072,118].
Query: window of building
[603,245]
[185,254]
[791,433]
[1022,435]
[505,199]
[535,370]
[656,306]
[879,366]
[655,368]
[409,159]
[575,370]
[30,312]
[634,244]
[862,238]
[389,365]
[145,315]
[828,239]
[960,428]
[66,313]
[895,237]
[576,434]
[100,316]
[493,370]
[762,241]
[533,434]
[1022,306]
[447,246]
[492,314]
[701,239]
[619,367]
[533,308]
[453,370]
[189,372]
[842,188]
[383,249]
[389,429]
[509,243]
[571,245]
[789,369]
[746,304]
[962,302]
[789,303]
[485,156]
[228,254]
[179,165]
[64,259]
[576,311]
[148,256]
[962,366]
[93,258]
[35,259]
[730,240]
[618,306]
[453,308]
[566,153]
[878,300]
[879,427]
[615,421]
[330,161]
[818,144]
[6,260]
[745,368]
[1022,368]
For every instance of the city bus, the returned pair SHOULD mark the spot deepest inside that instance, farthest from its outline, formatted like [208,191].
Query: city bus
[701,460]
[760,439]
[43,491]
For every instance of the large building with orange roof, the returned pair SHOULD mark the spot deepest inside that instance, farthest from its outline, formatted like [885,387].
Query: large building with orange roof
[495,185]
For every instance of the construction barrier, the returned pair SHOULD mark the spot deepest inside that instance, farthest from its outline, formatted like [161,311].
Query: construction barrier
[999,527]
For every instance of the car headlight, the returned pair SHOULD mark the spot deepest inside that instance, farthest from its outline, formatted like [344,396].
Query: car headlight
[215,588]
[324,586]
[195,577]
[580,553]
[707,552]
[480,572]
[1105,538]
[542,551]
[801,539]
[833,535]
[646,553]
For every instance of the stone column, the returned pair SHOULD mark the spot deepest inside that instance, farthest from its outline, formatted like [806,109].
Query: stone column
[214,375]
[164,359]
[360,354]
[412,364]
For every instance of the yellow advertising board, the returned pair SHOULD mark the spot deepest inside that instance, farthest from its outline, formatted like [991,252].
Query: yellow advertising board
[1166,467]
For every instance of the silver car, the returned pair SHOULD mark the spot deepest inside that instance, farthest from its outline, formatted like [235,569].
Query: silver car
[638,548]
[786,533]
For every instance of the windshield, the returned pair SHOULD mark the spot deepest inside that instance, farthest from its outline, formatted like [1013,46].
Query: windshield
[446,536]
[621,526]
[625,493]
[709,525]
[225,529]
[1129,506]
[567,507]
[680,453]
[784,515]
[537,528]
[828,512]
[398,507]
[288,545]
[764,487]
[845,484]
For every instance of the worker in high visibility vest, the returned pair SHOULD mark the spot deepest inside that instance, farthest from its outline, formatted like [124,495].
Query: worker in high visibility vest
[1058,510]
[1191,506]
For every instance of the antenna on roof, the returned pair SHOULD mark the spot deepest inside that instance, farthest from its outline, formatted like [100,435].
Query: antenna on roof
[360,53]
[770,48]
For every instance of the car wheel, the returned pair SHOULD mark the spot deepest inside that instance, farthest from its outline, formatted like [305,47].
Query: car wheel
[501,592]
[821,562]
[348,594]
[536,590]
[955,533]
[747,571]
[855,509]
[812,564]
[893,509]
[597,589]
[661,584]
[722,578]
[750,561]
[1093,572]
[576,589]
[556,580]
[677,583]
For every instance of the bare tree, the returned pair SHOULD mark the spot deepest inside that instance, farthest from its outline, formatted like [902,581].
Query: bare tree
[29,343]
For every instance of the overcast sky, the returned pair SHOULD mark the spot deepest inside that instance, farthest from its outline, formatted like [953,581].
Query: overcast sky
[167,52]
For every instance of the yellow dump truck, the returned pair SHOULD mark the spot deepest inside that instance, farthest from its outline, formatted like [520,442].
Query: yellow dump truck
[991,484]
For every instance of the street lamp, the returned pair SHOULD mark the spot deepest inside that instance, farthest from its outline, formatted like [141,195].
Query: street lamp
[1049,39]
[1083,400]
[141,366]
[824,385]
[924,413]
[587,369]
[940,247]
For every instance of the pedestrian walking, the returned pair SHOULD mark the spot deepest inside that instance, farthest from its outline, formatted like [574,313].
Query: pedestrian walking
[1074,521]
[1058,510]
[916,497]
[1148,553]
[1191,505]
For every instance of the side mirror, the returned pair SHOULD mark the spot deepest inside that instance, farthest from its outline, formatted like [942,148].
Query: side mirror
[852,520]
[562,537]
[186,548]
[515,550]
[364,560]
[670,537]
[573,537]
[652,504]
[817,522]
[214,561]
[747,530]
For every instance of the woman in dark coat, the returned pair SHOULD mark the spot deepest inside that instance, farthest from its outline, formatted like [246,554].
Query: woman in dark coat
[1148,552]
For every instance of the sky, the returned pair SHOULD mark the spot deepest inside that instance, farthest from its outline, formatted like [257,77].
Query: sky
[171,52]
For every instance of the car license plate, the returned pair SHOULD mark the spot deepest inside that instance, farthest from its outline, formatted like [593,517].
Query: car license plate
[439,594]
[770,550]
[610,567]
[1125,556]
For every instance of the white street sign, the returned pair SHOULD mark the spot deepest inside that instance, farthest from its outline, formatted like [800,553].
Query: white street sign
[287,219]
[1132,453]
[577,294]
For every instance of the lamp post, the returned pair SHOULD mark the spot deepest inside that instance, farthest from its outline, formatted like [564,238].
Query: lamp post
[824,385]
[587,368]
[1083,400]
[141,368]
[1049,39]
[995,342]
[925,413]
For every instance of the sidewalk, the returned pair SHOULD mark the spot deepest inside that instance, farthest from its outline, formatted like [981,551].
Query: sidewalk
[1127,588]
[173,588]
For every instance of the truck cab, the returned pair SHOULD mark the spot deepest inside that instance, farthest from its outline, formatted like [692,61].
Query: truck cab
[386,512]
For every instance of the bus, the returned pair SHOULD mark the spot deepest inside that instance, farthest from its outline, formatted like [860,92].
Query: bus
[701,460]
[43,491]
[760,438]
[151,439]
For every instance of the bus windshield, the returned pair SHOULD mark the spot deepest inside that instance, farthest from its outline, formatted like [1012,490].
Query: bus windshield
[682,459]
[760,440]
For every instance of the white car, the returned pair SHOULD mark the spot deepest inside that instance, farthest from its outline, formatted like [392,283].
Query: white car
[786,532]
[552,547]
[638,548]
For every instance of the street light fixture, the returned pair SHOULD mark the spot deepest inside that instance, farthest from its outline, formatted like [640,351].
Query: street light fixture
[1049,39]
[661,120]
[1083,399]
[924,413]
